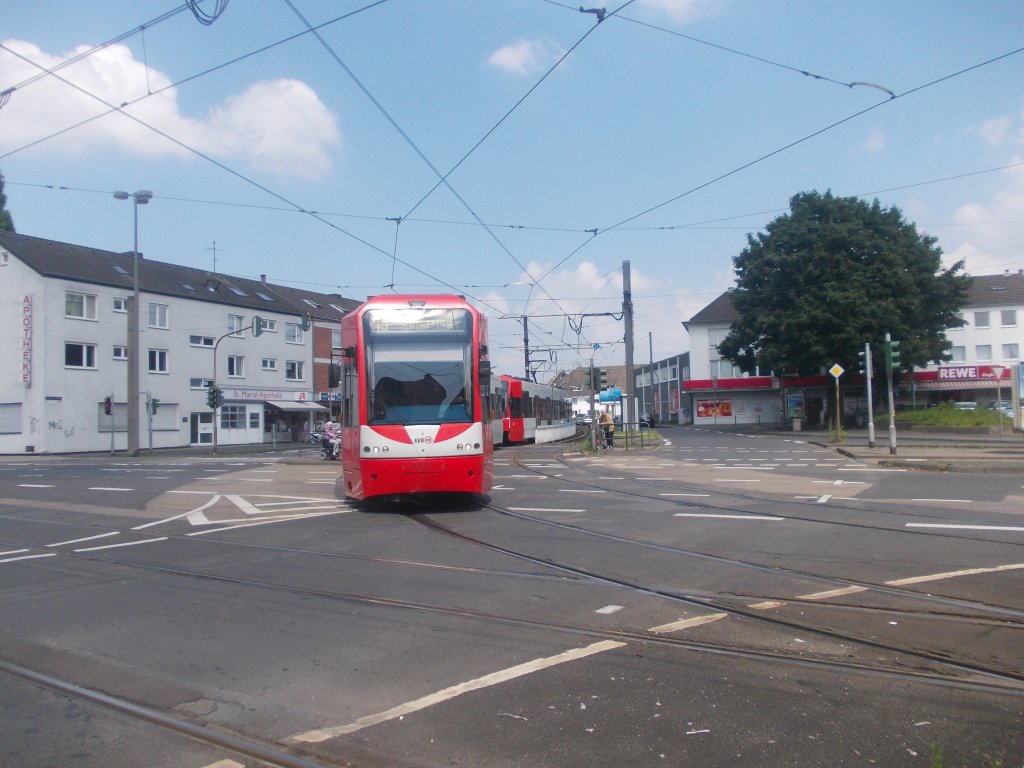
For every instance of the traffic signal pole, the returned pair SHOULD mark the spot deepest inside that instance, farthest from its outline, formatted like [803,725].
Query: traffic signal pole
[892,403]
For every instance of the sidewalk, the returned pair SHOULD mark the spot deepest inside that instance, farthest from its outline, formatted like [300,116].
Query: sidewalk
[936,451]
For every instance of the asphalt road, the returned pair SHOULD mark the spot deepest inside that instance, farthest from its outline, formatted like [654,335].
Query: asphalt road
[725,599]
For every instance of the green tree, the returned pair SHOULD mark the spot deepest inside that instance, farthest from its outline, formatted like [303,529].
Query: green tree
[832,274]
[6,222]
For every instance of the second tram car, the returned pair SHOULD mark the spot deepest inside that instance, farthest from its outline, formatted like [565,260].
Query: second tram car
[416,406]
[526,407]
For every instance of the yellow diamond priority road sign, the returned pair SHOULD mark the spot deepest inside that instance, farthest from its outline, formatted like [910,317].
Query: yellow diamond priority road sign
[837,370]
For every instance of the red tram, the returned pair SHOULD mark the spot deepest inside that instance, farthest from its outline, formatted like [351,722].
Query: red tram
[416,412]
[525,405]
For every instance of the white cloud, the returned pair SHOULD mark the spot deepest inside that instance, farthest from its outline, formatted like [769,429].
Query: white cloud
[279,126]
[992,239]
[525,57]
[683,11]
[874,143]
[994,131]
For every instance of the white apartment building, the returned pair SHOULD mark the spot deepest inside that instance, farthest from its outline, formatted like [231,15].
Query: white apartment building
[67,307]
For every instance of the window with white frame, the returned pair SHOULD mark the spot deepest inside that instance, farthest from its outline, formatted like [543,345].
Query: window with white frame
[158,361]
[293,333]
[120,304]
[236,366]
[294,370]
[79,355]
[201,341]
[157,315]
[335,338]
[981,319]
[120,352]
[232,417]
[269,326]
[983,352]
[81,306]
[235,323]
[1011,351]
[1008,318]
[958,354]
[200,383]
[268,364]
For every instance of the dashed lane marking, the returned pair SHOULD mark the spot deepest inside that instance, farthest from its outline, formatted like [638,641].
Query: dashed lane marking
[122,544]
[954,574]
[967,527]
[697,621]
[757,518]
[87,538]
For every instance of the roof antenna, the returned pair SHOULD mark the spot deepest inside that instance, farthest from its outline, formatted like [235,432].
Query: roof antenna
[214,249]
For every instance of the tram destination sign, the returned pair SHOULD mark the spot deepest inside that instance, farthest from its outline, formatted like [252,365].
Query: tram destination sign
[417,320]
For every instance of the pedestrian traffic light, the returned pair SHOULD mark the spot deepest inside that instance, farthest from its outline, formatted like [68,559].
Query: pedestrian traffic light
[108,406]
[892,355]
[211,395]
[257,325]
[602,378]
[153,405]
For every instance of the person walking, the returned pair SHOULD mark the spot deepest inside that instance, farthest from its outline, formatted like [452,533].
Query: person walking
[608,425]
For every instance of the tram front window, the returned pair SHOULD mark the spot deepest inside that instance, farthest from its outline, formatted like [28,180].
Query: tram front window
[418,386]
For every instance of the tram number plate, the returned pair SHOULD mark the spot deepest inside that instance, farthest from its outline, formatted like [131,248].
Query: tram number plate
[422,467]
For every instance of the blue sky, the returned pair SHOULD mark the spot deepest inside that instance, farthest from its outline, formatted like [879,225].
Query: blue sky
[661,135]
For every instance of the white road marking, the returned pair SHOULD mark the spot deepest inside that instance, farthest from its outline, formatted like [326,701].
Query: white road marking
[734,480]
[33,485]
[726,517]
[832,593]
[323,734]
[967,527]
[13,552]
[87,538]
[697,621]
[112,489]
[580,490]
[824,499]
[27,557]
[946,501]
[609,609]
[766,605]
[123,544]
[684,494]
[954,574]
[544,509]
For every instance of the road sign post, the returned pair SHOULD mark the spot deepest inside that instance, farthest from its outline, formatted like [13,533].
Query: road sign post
[837,370]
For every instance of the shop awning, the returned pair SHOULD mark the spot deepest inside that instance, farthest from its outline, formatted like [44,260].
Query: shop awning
[305,406]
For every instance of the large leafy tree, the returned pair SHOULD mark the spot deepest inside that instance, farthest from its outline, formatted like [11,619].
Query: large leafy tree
[6,222]
[832,274]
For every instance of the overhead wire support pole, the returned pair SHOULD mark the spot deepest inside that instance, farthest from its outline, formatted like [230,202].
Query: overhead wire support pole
[627,314]
[526,349]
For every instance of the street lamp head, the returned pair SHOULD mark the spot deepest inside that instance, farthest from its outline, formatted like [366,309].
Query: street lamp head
[141,197]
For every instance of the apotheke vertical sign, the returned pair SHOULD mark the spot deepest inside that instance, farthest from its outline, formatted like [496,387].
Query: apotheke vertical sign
[26,340]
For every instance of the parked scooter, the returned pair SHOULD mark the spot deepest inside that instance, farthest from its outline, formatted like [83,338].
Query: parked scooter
[315,437]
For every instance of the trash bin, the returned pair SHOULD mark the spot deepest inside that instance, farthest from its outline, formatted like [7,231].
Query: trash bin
[796,425]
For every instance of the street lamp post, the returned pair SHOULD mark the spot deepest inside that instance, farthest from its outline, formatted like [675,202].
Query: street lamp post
[141,197]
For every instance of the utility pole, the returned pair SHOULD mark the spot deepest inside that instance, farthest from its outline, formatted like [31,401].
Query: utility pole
[526,349]
[629,417]
[892,404]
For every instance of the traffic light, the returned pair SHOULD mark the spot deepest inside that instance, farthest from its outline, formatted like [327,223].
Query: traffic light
[602,378]
[892,355]
[307,321]
[211,395]
[257,325]
[108,406]
[864,363]
[334,375]
[592,378]
[153,405]
[219,397]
